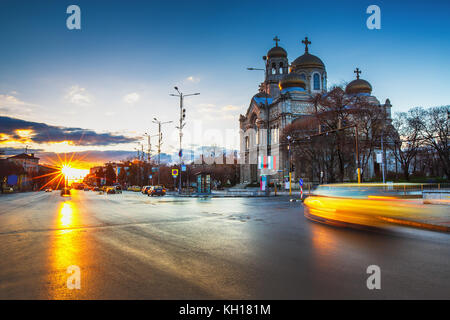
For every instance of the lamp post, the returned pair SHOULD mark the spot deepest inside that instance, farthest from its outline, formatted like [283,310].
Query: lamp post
[289,158]
[181,95]
[159,143]
[268,123]
[149,150]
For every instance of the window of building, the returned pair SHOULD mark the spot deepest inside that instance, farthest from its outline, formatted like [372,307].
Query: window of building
[281,68]
[316,81]
[247,143]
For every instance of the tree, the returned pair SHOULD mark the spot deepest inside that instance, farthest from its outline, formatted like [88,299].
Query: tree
[435,131]
[406,133]
[122,176]
[110,175]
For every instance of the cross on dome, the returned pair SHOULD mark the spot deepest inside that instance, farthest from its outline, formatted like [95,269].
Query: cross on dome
[306,42]
[357,71]
[276,39]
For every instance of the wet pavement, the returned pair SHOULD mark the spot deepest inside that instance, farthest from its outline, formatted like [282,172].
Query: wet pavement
[130,246]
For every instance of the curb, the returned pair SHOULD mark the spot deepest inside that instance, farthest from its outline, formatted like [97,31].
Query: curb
[418,225]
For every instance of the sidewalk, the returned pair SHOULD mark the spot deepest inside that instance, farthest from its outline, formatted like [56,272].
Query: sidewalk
[439,220]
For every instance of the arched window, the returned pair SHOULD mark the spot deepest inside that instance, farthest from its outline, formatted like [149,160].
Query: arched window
[247,143]
[316,81]
[281,68]
[274,68]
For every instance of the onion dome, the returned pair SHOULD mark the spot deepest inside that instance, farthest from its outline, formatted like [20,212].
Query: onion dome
[292,80]
[307,60]
[358,85]
[262,98]
[277,52]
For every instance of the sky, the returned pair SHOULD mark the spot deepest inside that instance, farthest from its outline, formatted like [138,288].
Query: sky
[98,88]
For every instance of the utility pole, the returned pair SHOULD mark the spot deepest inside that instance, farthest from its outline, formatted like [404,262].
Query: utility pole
[357,153]
[382,157]
[181,95]
[159,144]
[289,158]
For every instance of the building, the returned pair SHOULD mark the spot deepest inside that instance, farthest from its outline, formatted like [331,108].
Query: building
[30,165]
[285,96]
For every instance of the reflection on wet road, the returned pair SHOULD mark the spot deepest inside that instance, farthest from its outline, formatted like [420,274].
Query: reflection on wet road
[134,247]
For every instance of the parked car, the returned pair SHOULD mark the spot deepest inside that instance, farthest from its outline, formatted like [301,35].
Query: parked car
[156,191]
[134,188]
[145,189]
[65,192]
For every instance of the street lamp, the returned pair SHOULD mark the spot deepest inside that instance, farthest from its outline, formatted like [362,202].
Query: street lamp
[159,143]
[268,124]
[289,158]
[181,95]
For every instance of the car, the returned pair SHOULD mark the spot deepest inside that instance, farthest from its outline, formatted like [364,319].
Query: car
[113,190]
[86,189]
[48,190]
[134,188]
[365,204]
[65,192]
[96,189]
[156,191]
[145,189]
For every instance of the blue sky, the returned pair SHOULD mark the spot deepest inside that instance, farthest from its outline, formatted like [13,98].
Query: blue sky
[115,74]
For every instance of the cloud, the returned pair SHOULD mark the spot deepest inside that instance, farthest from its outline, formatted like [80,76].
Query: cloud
[131,98]
[78,96]
[225,111]
[193,79]
[11,105]
[43,133]
[230,108]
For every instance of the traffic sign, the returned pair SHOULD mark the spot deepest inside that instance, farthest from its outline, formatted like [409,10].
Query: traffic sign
[301,182]
[183,167]
[174,172]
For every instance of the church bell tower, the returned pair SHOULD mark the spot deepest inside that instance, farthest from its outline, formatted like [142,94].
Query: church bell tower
[276,66]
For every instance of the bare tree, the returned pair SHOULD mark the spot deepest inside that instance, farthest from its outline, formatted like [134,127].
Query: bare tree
[436,134]
[408,140]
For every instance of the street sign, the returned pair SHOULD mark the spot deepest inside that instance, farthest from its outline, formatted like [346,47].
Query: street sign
[175,173]
[150,176]
[183,168]
[300,182]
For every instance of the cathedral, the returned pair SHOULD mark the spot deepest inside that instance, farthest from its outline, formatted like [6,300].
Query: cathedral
[285,96]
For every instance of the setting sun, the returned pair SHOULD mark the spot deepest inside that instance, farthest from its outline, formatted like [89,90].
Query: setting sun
[73,174]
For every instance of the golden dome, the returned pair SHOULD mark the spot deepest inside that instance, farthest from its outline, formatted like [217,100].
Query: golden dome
[291,80]
[307,61]
[358,86]
[277,52]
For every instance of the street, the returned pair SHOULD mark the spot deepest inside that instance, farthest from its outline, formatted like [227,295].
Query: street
[130,246]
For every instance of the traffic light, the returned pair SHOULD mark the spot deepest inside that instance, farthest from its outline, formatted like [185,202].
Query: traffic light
[184,114]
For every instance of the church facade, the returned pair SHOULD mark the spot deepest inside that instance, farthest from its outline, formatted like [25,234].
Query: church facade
[285,96]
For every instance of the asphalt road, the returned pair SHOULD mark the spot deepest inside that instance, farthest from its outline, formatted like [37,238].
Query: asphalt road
[131,246]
